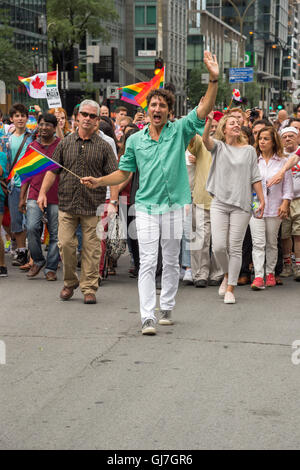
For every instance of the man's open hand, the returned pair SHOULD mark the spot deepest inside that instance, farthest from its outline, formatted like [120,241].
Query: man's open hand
[211,65]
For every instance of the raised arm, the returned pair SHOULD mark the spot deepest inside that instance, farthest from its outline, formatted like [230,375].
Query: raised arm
[207,140]
[292,161]
[206,105]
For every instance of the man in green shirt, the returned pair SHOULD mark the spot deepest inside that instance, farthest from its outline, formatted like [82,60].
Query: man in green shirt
[158,152]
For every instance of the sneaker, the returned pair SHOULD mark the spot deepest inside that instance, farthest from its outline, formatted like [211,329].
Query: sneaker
[270,280]
[188,277]
[229,298]
[3,271]
[148,327]
[258,284]
[165,317]
[223,286]
[297,273]
[21,259]
[182,273]
[287,270]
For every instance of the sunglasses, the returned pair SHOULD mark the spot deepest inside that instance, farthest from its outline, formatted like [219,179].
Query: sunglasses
[91,115]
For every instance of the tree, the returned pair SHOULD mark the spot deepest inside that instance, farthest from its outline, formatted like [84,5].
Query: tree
[196,88]
[13,62]
[70,21]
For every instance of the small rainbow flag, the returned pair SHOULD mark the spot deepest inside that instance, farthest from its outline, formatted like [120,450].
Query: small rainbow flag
[51,79]
[32,163]
[137,93]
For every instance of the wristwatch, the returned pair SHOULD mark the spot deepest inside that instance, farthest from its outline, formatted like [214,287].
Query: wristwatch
[115,203]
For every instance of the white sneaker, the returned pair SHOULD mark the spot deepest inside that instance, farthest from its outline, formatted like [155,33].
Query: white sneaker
[148,327]
[229,298]
[188,276]
[182,273]
[223,287]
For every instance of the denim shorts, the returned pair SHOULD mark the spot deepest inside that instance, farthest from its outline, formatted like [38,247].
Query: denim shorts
[1,206]
[17,218]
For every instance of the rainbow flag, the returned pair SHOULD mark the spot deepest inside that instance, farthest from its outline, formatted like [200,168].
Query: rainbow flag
[32,163]
[51,79]
[156,82]
[137,93]
[129,92]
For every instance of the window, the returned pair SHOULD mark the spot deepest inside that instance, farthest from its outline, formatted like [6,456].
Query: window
[151,15]
[151,44]
[145,15]
[139,45]
[139,16]
[144,44]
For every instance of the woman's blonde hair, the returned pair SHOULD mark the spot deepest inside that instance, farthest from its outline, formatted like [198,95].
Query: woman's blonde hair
[219,135]
[277,144]
[66,128]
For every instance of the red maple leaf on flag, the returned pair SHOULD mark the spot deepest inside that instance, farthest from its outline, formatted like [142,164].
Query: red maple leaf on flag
[37,83]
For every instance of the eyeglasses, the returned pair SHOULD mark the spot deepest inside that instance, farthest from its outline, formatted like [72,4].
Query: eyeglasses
[91,115]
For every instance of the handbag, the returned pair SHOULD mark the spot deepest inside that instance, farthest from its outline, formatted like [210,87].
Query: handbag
[115,241]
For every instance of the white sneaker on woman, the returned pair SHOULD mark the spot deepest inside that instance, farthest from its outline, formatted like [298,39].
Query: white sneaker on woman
[229,298]
[223,286]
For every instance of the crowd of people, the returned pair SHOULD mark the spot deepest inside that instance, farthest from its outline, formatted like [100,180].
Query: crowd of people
[212,198]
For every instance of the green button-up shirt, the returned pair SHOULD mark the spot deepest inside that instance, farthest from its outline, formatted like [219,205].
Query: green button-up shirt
[163,177]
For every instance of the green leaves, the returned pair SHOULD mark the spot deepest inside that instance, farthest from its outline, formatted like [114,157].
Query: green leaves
[69,25]
[13,62]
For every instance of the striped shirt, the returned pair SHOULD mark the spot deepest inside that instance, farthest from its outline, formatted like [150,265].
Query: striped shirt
[91,157]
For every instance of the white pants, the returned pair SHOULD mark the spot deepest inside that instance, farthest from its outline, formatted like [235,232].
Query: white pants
[204,264]
[264,233]
[228,228]
[166,228]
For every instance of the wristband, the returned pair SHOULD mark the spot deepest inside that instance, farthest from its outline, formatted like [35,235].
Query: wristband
[213,81]
[114,203]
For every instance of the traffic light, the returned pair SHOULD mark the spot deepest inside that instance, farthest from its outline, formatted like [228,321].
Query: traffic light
[279,107]
[158,65]
[270,108]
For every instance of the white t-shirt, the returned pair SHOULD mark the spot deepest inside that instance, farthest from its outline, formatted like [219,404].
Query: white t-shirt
[112,143]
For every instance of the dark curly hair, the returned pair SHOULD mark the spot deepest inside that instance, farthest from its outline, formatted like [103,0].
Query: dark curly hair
[164,94]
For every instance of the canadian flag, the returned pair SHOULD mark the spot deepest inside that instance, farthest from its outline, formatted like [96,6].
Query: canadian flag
[36,85]
[236,95]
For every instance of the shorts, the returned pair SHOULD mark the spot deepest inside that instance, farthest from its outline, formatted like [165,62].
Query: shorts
[1,206]
[17,218]
[291,225]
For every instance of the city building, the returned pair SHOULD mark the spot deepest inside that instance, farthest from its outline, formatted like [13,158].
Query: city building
[28,19]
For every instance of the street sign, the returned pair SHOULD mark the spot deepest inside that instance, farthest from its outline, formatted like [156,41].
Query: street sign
[112,93]
[241,75]
[93,54]
[147,53]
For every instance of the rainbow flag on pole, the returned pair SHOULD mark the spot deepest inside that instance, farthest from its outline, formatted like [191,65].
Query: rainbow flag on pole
[137,93]
[32,163]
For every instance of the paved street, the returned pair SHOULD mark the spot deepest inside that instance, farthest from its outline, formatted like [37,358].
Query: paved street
[83,377]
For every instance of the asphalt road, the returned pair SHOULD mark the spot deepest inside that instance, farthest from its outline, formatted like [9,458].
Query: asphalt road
[83,377]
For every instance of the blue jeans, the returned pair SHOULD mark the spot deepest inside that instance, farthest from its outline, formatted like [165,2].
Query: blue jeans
[33,223]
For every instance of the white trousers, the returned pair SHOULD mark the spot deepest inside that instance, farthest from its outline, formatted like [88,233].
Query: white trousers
[204,264]
[264,233]
[228,227]
[152,229]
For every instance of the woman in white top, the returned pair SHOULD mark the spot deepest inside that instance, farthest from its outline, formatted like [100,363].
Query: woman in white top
[264,231]
[233,174]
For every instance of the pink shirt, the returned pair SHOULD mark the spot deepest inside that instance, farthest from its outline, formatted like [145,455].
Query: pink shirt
[276,193]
